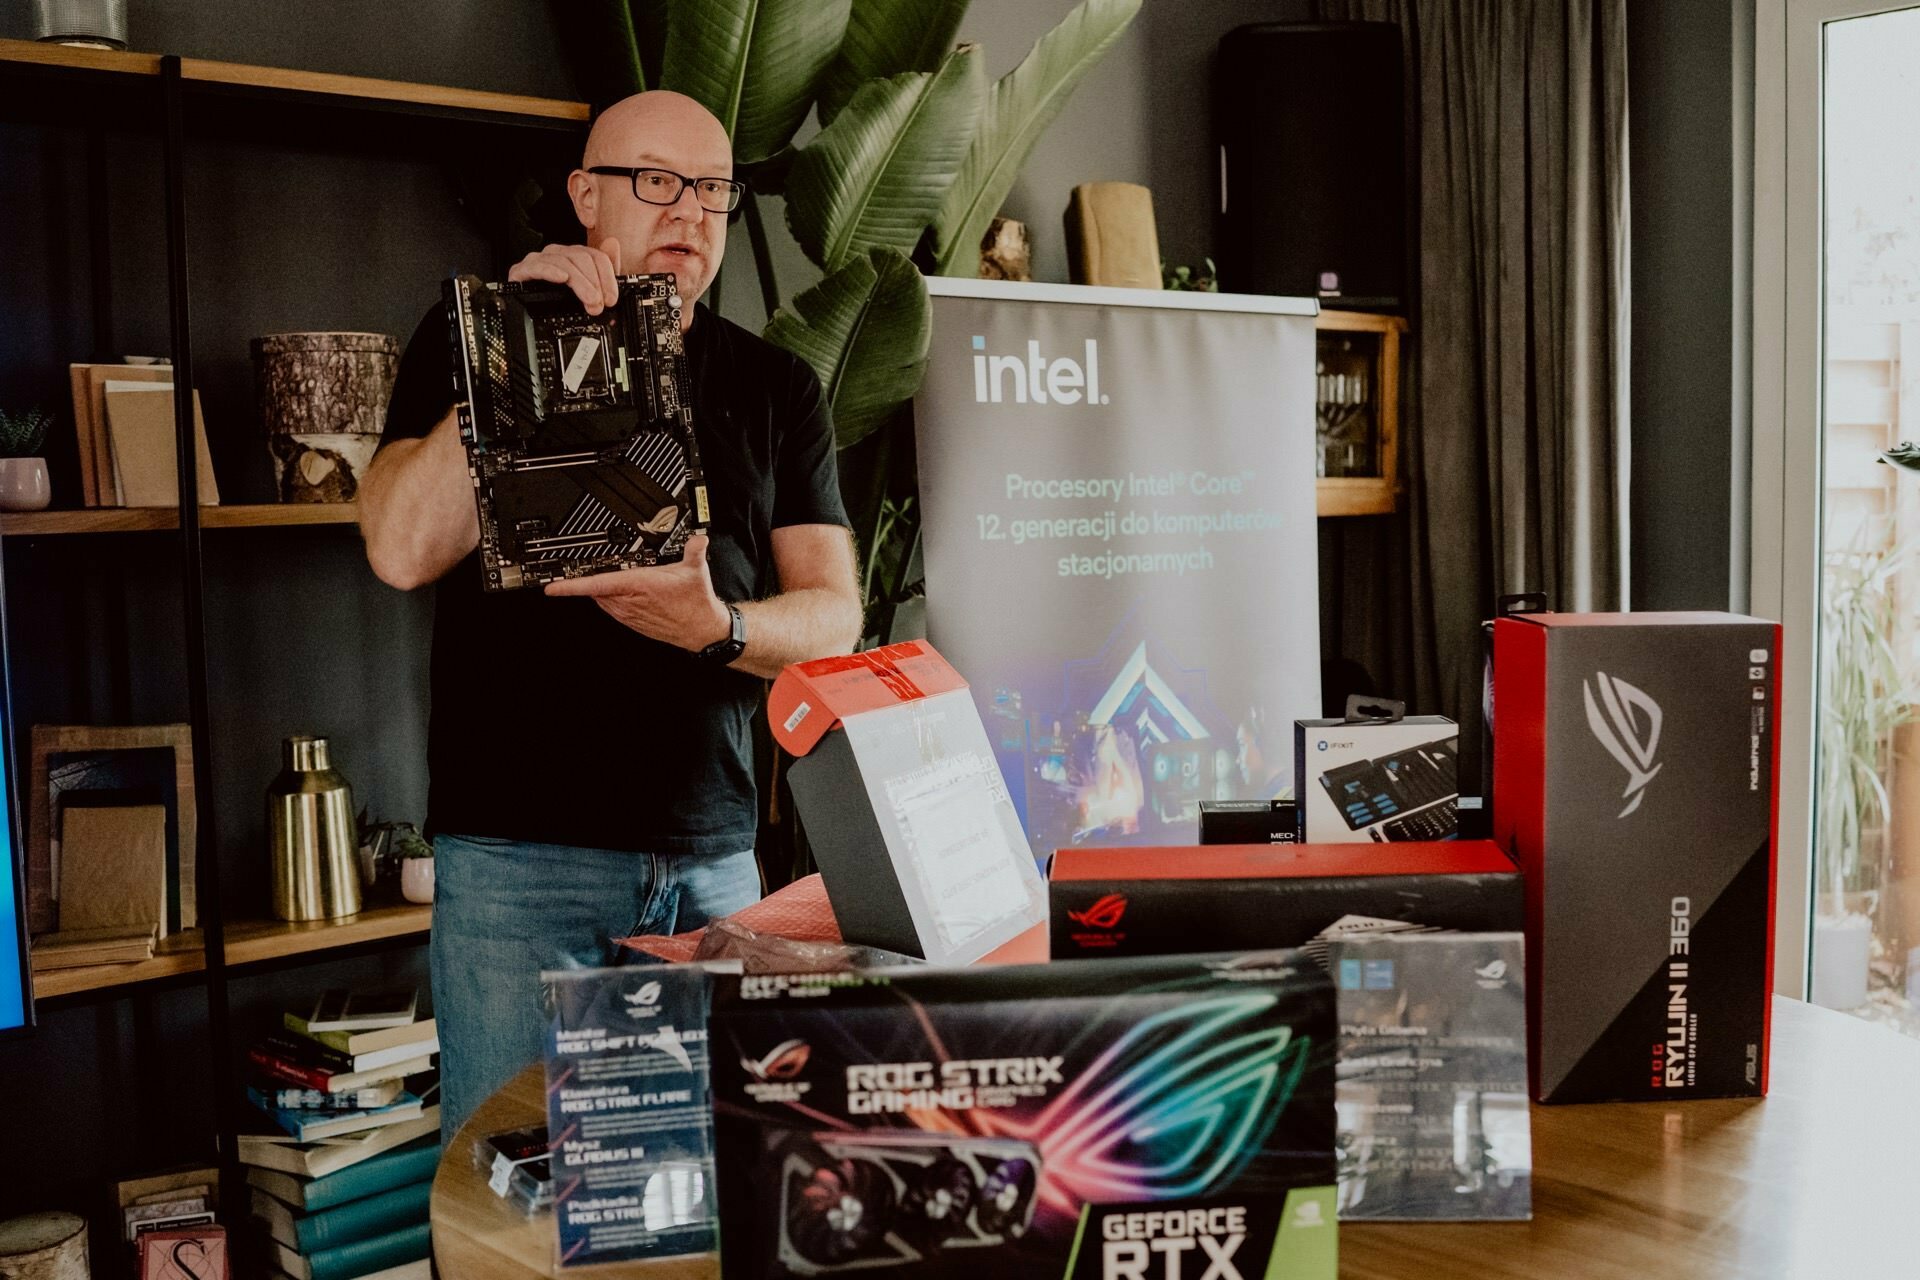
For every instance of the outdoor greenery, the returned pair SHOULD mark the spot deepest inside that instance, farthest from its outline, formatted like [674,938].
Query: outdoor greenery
[916,153]
[1864,697]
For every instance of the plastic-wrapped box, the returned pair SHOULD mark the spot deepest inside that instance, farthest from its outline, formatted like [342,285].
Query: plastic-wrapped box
[517,1167]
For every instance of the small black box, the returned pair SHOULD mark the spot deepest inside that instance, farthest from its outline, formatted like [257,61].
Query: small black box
[1248,822]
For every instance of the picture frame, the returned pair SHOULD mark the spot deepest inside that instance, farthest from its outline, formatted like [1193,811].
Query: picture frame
[52,741]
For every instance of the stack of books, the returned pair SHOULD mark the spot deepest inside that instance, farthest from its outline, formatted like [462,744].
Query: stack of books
[361,1221]
[340,1183]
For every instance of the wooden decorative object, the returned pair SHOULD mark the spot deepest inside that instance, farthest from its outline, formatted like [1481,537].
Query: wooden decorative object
[50,740]
[323,398]
[44,1246]
[1111,236]
[1374,494]
[1005,251]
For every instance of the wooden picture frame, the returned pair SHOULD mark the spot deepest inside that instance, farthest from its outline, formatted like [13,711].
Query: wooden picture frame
[49,740]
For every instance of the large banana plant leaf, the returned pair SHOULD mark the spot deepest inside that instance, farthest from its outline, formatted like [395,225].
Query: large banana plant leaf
[614,46]
[885,38]
[756,64]
[864,329]
[877,175]
[1022,104]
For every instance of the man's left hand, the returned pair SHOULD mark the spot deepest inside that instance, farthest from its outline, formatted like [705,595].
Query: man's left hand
[672,603]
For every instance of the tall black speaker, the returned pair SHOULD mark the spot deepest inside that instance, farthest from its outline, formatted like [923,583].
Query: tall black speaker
[1311,129]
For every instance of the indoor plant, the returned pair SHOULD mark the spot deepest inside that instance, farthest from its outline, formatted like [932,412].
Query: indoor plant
[1865,694]
[916,152]
[416,863]
[23,472]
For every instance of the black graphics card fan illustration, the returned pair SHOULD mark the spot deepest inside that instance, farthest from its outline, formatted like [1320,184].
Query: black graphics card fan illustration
[856,1201]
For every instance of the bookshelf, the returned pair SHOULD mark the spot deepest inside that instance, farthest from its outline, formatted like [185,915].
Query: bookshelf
[248,942]
[146,519]
[184,118]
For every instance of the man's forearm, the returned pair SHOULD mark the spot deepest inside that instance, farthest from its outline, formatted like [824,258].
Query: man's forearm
[796,626]
[416,508]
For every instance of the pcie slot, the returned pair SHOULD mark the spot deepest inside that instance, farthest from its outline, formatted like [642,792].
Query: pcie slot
[548,461]
[565,543]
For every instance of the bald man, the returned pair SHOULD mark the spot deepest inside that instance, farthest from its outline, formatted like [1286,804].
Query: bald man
[590,760]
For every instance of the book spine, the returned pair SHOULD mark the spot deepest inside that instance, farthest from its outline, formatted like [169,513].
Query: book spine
[382,1173]
[291,1071]
[305,1052]
[375,1254]
[365,1218]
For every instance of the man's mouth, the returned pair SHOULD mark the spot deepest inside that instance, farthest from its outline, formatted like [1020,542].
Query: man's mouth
[678,250]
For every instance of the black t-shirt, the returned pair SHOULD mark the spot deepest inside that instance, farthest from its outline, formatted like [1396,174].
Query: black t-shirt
[553,723]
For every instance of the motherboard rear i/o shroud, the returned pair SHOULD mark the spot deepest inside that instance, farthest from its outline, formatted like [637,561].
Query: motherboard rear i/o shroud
[578,428]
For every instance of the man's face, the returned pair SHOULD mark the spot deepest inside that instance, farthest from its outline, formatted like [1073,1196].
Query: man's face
[681,238]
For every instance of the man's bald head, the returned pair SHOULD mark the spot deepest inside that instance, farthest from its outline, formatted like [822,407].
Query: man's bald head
[655,130]
[633,122]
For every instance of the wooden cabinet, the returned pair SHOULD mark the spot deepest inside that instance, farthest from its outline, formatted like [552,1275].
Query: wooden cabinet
[1357,412]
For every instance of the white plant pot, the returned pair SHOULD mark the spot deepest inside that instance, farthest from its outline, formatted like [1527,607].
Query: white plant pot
[24,485]
[1841,947]
[416,879]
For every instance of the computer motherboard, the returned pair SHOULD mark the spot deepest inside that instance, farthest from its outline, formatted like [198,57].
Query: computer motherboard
[578,428]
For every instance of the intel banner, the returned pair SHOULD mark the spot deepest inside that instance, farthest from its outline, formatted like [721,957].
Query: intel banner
[1121,556]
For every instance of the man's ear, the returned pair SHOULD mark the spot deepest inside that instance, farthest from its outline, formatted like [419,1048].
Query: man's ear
[585,196]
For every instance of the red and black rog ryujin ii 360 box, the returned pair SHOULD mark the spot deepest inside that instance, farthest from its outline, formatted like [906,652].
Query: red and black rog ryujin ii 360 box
[1634,765]
[1121,1120]
[1155,902]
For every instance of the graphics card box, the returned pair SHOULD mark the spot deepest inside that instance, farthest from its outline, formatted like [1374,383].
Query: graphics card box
[1071,1121]
[1249,822]
[905,809]
[1147,902]
[1634,765]
[1432,1099]
[1358,782]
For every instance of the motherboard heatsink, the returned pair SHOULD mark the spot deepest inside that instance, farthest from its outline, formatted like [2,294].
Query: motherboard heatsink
[578,428]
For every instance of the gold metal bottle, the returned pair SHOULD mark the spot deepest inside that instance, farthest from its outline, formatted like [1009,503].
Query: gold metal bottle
[311,825]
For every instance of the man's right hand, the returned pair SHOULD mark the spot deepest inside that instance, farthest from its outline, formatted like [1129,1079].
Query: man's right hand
[589,271]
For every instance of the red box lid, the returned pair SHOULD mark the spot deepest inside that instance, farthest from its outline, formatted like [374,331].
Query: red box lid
[810,698]
[1285,861]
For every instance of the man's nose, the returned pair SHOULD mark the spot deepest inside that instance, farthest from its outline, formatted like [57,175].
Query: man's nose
[688,207]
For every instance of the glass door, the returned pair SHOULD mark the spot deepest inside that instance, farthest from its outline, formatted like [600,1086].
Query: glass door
[1836,490]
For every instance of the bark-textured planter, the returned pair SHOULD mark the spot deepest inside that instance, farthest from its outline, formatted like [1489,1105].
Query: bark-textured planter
[323,401]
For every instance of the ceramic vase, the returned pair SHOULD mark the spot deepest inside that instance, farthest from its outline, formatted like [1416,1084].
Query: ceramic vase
[24,485]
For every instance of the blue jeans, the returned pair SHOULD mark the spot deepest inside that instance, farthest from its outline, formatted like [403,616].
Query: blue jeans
[503,910]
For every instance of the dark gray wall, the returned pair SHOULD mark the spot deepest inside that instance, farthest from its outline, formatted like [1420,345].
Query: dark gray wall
[1690,71]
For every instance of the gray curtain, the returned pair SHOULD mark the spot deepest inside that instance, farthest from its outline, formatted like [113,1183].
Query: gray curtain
[1515,435]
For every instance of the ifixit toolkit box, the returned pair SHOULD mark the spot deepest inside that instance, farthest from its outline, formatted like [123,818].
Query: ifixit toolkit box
[1145,902]
[1117,1120]
[905,809]
[1367,780]
[1634,764]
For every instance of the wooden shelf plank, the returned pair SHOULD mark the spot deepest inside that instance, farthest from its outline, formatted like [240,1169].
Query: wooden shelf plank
[251,941]
[368,91]
[35,53]
[378,91]
[248,942]
[136,519]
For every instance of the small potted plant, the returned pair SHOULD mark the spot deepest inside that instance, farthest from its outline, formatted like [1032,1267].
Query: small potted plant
[23,472]
[416,864]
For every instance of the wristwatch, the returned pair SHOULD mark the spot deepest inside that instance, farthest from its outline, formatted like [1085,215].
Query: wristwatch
[725,651]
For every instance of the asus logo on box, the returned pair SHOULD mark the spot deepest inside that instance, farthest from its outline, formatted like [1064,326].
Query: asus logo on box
[1035,378]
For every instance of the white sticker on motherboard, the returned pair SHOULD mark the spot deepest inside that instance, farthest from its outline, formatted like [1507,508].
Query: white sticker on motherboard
[577,367]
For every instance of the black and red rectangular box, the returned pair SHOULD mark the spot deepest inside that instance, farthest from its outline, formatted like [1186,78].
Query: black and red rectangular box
[1635,759]
[1144,902]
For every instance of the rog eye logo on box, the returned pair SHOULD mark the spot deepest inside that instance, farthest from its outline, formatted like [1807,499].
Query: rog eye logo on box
[643,996]
[1632,739]
[782,1062]
[1105,913]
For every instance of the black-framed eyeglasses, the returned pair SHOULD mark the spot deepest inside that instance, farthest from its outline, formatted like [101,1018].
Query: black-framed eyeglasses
[663,186]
